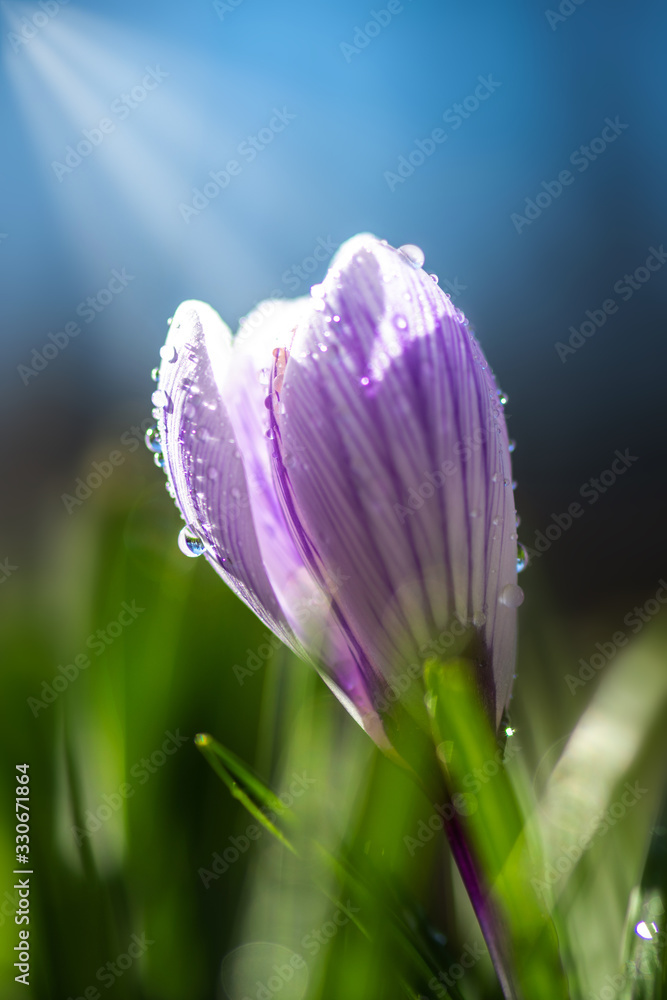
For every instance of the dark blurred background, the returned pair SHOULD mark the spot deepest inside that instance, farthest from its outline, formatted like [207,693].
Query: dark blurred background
[328,109]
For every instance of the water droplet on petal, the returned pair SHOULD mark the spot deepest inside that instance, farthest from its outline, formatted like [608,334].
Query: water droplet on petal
[189,410]
[335,319]
[521,558]
[212,472]
[434,277]
[365,381]
[189,543]
[479,619]
[264,376]
[495,477]
[503,398]
[155,374]
[160,398]
[474,513]
[511,596]
[152,439]
[414,254]
[512,446]
[400,322]
[158,458]
[496,521]
[170,321]
[168,352]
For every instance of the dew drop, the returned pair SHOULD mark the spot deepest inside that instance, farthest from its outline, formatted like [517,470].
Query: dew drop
[189,410]
[365,381]
[414,254]
[264,376]
[503,398]
[322,347]
[269,434]
[155,374]
[152,439]
[479,619]
[158,458]
[189,543]
[511,596]
[521,558]
[212,472]
[434,277]
[335,319]
[400,322]
[160,398]
[643,930]
[512,446]
[495,477]
[496,521]
[474,513]
[268,402]
[168,352]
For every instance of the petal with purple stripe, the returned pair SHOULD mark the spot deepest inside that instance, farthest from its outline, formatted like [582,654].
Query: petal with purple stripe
[203,461]
[393,466]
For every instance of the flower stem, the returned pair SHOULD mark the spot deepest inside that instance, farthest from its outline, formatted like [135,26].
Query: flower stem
[488,918]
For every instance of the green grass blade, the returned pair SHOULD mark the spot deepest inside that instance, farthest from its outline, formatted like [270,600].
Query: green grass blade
[215,754]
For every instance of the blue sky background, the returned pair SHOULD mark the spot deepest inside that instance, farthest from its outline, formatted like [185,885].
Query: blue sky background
[323,176]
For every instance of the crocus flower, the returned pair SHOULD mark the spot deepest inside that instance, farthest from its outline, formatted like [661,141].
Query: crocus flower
[344,465]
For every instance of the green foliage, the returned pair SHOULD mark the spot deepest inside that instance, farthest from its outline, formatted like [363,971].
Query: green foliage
[132,832]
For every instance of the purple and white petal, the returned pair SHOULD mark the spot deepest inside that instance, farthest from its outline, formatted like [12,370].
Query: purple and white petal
[262,337]
[203,461]
[393,466]
[243,383]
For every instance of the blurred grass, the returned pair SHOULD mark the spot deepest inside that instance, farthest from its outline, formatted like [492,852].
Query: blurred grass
[171,670]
